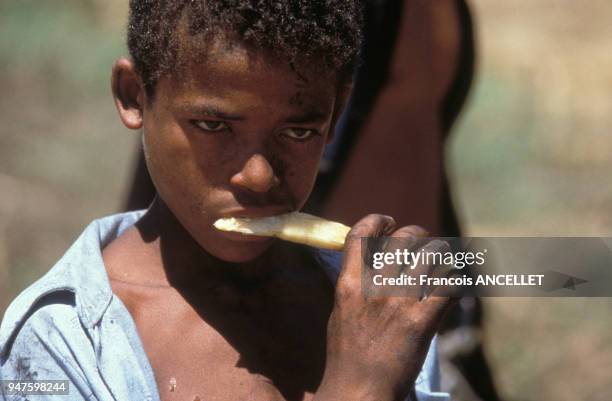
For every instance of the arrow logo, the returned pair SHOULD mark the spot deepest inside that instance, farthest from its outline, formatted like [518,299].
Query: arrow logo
[554,280]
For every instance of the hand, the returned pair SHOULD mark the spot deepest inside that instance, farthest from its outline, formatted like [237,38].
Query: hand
[376,346]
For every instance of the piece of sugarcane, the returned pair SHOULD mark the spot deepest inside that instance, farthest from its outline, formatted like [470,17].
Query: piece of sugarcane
[296,227]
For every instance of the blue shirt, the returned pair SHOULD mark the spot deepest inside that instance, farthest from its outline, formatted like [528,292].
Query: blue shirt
[70,326]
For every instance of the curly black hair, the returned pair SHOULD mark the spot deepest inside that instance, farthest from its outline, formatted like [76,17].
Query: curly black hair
[327,33]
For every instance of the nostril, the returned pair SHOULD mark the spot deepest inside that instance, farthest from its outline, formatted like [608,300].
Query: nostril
[256,175]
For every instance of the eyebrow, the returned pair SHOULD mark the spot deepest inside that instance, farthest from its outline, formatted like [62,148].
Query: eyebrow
[308,117]
[213,112]
[311,116]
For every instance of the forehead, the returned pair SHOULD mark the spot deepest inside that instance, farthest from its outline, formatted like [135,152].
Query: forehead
[225,68]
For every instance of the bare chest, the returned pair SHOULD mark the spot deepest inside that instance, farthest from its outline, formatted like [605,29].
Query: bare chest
[258,349]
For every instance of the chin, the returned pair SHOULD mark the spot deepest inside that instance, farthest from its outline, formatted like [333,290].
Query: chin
[241,249]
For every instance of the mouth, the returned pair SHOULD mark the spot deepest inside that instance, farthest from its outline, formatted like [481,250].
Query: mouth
[239,237]
[251,213]
[256,212]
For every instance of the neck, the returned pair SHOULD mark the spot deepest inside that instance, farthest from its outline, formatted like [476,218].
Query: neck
[184,263]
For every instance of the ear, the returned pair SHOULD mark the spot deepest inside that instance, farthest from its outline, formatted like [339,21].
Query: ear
[128,93]
[344,93]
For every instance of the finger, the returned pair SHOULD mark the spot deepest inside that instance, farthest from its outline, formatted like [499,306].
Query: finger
[373,225]
[433,264]
[452,283]
[401,244]
[410,231]
[406,238]
[439,298]
[434,307]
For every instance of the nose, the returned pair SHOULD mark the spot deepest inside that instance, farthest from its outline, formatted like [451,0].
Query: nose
[256,175]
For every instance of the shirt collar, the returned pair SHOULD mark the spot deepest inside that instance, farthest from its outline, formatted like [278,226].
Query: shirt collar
[81,270]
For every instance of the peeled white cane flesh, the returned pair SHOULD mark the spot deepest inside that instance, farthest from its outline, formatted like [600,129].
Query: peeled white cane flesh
[296,227]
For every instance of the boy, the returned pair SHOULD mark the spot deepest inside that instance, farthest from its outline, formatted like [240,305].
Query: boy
[236,100]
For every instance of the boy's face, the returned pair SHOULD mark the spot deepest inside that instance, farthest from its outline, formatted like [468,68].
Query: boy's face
[236,135]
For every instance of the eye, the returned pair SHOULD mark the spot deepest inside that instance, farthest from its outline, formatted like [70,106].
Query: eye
[211,125]
[299,134]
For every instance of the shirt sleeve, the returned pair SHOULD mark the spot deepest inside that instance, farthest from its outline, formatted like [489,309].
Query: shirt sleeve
[52,345]
[427,385]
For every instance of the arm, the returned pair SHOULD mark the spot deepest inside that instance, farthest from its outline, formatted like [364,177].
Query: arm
[52,345]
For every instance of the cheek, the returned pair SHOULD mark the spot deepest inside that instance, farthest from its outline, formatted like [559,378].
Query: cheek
[163,150]
[215,161]
[301,176]
[170,159]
